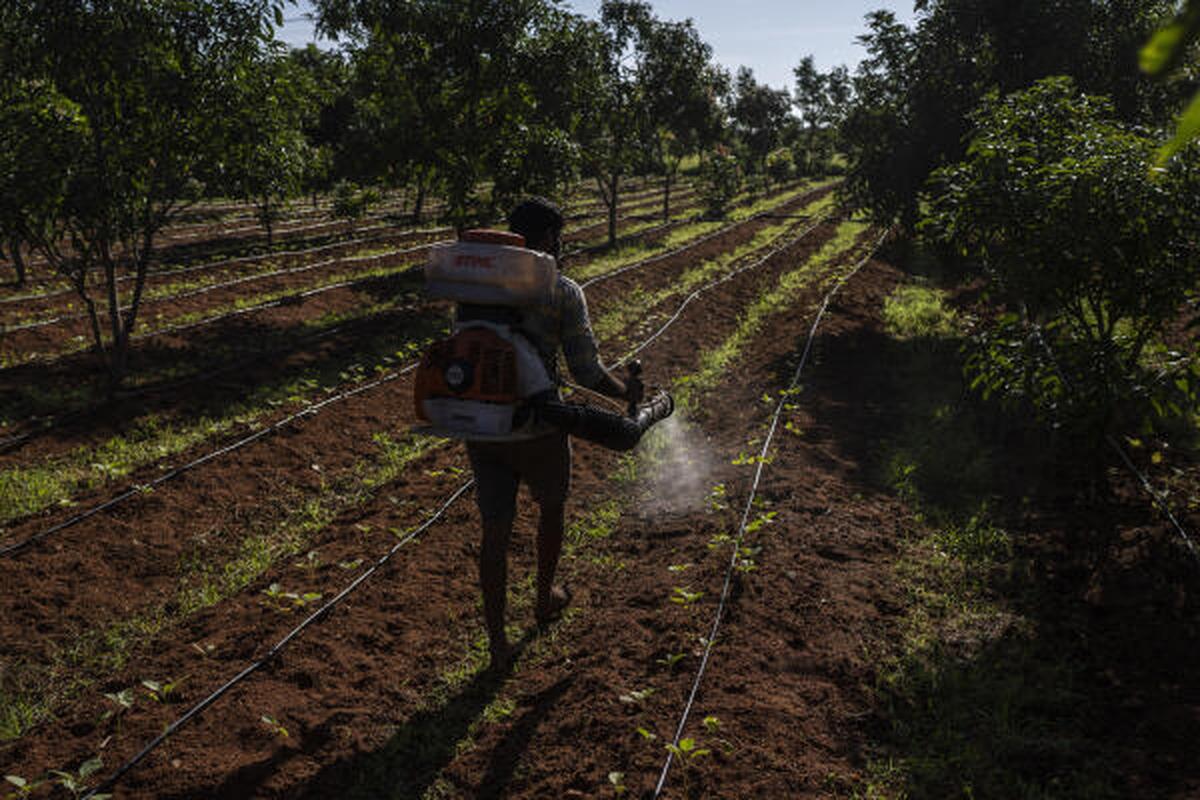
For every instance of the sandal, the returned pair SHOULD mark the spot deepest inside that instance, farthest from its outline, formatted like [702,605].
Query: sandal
[560,598]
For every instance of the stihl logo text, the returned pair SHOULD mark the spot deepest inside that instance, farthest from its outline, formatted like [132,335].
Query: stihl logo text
[482,262]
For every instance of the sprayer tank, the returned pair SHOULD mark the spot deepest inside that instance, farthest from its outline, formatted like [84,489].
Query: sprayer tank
[490,274]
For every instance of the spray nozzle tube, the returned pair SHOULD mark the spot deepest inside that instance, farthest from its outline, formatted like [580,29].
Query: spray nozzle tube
[614,431]
[635,388]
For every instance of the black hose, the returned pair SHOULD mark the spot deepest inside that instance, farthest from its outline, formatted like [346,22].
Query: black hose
[606,428]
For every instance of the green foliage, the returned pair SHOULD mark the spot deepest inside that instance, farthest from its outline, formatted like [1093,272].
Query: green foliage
[1164,53]
[916,87]
[351,202]
[918,312]
[759,115]
[720,181]
[129,109]
[1090,257]
[780,165]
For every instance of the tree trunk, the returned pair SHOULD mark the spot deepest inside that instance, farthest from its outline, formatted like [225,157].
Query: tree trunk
[419,201]
[612,209]
[14,252]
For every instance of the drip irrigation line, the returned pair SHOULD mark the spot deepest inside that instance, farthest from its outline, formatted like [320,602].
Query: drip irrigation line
[697,242]
[52,422]
[308,411]
[737,545]
[278,647]
[723,279]
[228,284]
[312,409]
[214,265]
[1158,500]
[167,243]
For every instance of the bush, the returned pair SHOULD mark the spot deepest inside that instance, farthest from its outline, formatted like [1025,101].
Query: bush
[720,181]
[352,203]
[780,165]
[1089,254]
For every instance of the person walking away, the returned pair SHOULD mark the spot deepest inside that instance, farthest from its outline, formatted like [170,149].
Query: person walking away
[544,462]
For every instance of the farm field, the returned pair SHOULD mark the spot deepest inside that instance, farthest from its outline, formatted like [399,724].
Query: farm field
[186,583]
[906,508]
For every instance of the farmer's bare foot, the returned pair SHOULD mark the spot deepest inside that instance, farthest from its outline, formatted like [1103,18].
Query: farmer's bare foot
[550,608]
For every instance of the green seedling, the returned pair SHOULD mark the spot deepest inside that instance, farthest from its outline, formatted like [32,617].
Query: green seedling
[163,691]
[25,788]
[274,726]
[617,779]
[683,597]
[647,735]
[688,750]
[746,558]
[716,498]
[680,567]
[311,560]
[761,520]
[670,660]
[793,428]
[712,724]
[123,699]
[75,782]
[348,565]
[745,459]
[286,601]
[362,527]
[636,696]
[720,540]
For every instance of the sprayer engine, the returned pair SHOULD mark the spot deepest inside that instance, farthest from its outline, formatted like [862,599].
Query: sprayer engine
[487,382]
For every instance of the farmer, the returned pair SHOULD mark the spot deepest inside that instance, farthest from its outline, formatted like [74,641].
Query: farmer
[543,463]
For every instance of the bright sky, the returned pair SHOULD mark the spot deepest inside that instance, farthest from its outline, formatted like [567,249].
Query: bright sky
[769,36]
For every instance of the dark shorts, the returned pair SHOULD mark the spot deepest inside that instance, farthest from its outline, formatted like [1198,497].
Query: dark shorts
[544,464]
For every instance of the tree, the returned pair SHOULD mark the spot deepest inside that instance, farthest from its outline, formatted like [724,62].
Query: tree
[759,114]
[1090,257]
[267,150]
[917,86]
[447,92]
[131,104]
[682,88]
[616,131]
[823,100]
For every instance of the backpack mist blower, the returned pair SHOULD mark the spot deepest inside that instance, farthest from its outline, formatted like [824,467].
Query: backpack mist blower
[487,381]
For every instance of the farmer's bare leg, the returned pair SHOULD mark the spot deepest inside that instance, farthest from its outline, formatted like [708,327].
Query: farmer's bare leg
[493,580]
[549,547]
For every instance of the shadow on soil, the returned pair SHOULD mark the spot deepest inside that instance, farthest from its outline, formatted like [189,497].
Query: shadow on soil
[409,764]
[238,358]
[1052,632]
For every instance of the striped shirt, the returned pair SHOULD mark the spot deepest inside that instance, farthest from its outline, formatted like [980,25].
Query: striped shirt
[564,325]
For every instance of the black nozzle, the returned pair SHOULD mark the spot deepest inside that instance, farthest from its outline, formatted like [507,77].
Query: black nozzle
[605,428]
[635,389]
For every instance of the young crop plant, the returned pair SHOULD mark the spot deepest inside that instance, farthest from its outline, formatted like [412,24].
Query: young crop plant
[671,660]
[681,595]
[274,726]
[286,601]
[166,691]
[617,780]
[24,786]
[76,782]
